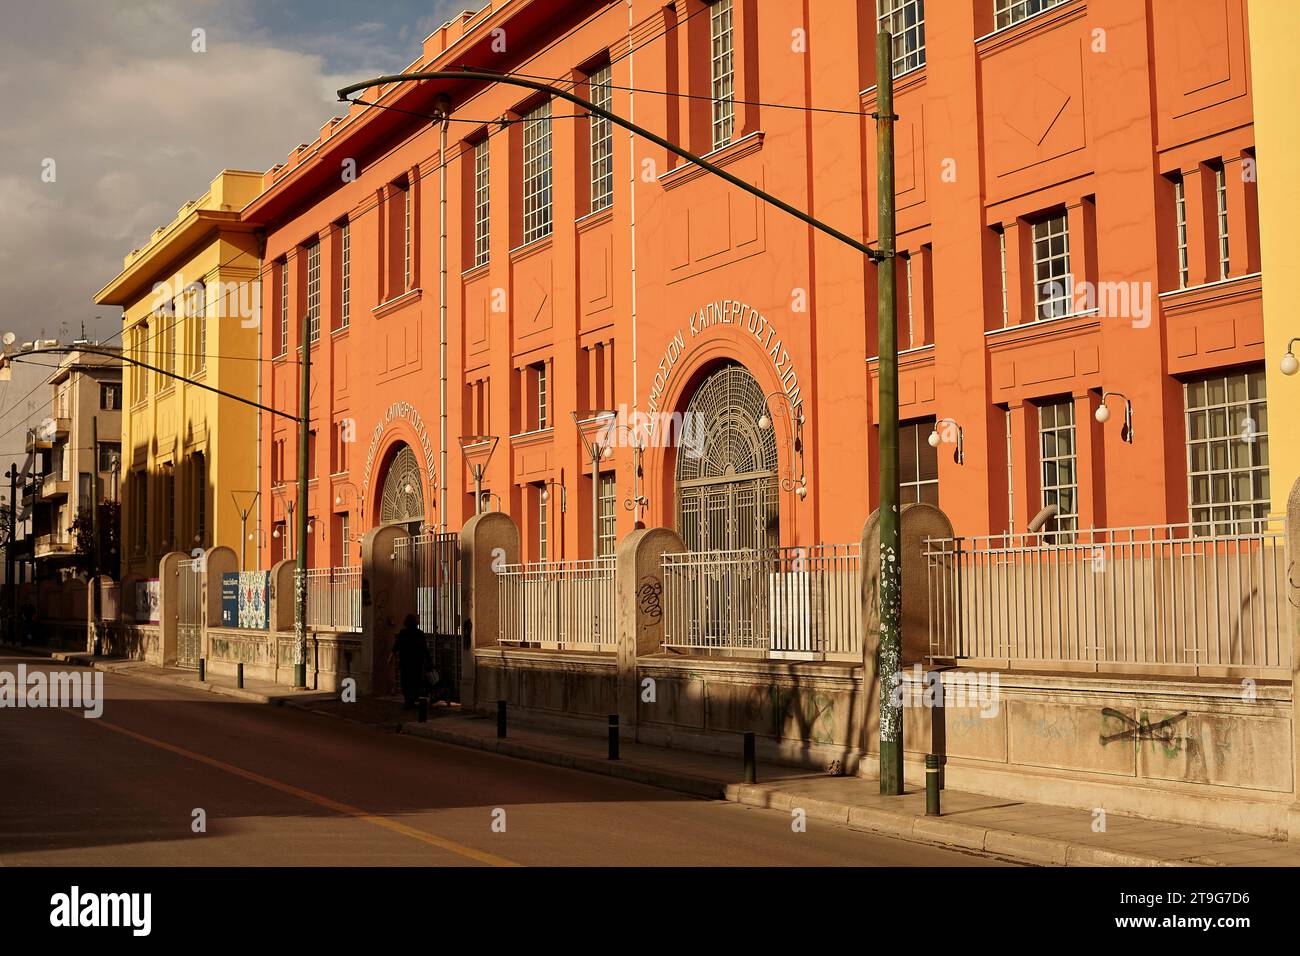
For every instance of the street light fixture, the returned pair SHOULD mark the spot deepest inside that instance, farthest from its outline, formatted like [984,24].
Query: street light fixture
[1103,415]
[599,444]
[1290,364]
[789,483]
[472,449]
[936,439]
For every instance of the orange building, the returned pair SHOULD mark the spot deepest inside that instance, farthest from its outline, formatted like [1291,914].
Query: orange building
[1076,216]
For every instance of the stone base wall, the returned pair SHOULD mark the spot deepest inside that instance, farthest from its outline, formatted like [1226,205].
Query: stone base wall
[268,656]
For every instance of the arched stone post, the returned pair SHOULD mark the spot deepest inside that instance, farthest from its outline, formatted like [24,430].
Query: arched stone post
[638,599]
[487,541]
[169,609]
[217,561]
[387,596]
[280,596]
[917,522]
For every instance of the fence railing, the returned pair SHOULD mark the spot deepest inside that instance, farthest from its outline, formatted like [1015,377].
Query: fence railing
[435,573]
[334,599]
[1162,598]
[558,604]
[801,603]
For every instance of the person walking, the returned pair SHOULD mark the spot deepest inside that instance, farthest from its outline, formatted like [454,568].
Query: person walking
[413,661]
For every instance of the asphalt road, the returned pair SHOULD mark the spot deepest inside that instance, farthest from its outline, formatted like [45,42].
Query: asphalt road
[280,786]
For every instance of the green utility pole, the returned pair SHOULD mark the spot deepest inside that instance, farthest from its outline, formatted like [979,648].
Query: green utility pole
[891,554]
[11,566]
[96,611]
[300,578]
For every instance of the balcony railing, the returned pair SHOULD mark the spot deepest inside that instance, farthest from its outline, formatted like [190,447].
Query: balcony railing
[1161,599]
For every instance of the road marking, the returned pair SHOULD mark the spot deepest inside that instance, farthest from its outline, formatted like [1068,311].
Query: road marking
[316,798]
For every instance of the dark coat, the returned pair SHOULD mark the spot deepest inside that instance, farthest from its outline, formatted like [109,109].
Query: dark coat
[412,651]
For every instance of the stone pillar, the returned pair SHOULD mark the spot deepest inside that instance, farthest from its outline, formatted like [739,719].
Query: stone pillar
[387,596]
[918,522]
[1293,629]
[280,596]
[487,541]
[217,561]
[638,603]
[169,567]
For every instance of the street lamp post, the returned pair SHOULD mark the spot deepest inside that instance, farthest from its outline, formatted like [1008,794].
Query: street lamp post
[598,446]
[479,446]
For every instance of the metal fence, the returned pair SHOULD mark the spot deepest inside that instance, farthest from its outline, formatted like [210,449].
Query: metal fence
[566,605]
[1162,598]
[189,611]
[800,603]
[434,563]
[333,599]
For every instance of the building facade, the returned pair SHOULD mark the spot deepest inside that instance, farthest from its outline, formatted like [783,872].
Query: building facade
[1077,227]
[190,304]
[75,458]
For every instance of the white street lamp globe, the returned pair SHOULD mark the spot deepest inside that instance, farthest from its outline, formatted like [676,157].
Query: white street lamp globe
[934,439]
[764,423]
[1102,414]
[1290,364]
[545,495]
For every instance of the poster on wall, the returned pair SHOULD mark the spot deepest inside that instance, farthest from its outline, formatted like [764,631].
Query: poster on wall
[253,609]
[148,597]
[229,599]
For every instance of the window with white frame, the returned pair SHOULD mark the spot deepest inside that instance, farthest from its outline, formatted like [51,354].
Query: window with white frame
[196,308]
[1053,284]
[907,270]
[1002,260]
[905,19]
[1221,217]
[1011,476]
[283,344]
[1180,218]
[345,276]
[543,523]
[1227,452]
[481,202]
[406,236]
[1008,12]
[724,72]
[602,142]
[1058,464]
[606,513]
[345,538]
[537,173]
[313,292]
[543,413]
[918,463]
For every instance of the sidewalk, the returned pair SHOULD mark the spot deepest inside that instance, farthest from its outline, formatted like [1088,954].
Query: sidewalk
[258,691]
[1026,832]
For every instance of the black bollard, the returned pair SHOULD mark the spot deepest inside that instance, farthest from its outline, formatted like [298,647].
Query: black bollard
[203,669]
[751,759]
[239,674]
[613,736]
[501,718]
[932,785]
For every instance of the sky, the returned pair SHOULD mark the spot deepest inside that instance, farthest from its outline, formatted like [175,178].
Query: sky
[138,123]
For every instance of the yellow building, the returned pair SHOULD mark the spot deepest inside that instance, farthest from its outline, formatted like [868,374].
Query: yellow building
[1275,69]
[190,307]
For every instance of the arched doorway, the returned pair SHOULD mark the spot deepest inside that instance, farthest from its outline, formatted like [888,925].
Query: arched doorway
[402,499]
[727,475]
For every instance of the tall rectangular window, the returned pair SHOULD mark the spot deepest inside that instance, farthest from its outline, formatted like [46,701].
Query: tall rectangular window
[911,330]
[168,530]
[543,399]
[199,477]
[313,292]
[543,524]
[482,206]
[406,237]
[1002,259]
[905,19]
[1008,12]
[197,310]
[918,463]
[723,76]
[602,142]
[537,173]
[607,515]
[1059,473]
[168,362]
[1221,217]
[1180,218]
[283,345]
[110,397]
[345,276]
[109,454]
[1227,452]
[345,534]
[1053,284]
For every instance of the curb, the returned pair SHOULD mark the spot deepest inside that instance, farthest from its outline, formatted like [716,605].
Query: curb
[126,668]
[933,831]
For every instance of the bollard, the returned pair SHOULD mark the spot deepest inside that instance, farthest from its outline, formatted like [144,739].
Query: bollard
[203,669]
[501,718]
[932,785]
[613,736]
[422,709]
[239,674]
[751,759]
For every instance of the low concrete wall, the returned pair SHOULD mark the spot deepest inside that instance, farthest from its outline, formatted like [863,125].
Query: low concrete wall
[268,656]
[140,642]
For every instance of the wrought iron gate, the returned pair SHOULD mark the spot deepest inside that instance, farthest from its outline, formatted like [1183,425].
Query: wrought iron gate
[727,481]
[189,620]
[435,575]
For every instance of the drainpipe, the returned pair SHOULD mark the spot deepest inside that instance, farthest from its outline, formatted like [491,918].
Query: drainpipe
[631,159]
[444,107]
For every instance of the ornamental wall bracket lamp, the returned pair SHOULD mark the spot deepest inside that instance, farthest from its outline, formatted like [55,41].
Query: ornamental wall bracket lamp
[1290,364]
[798,485]
[564,493]
[959,453]
[1103,415]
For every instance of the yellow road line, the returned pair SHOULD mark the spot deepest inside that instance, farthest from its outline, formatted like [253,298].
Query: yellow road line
[316,798]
